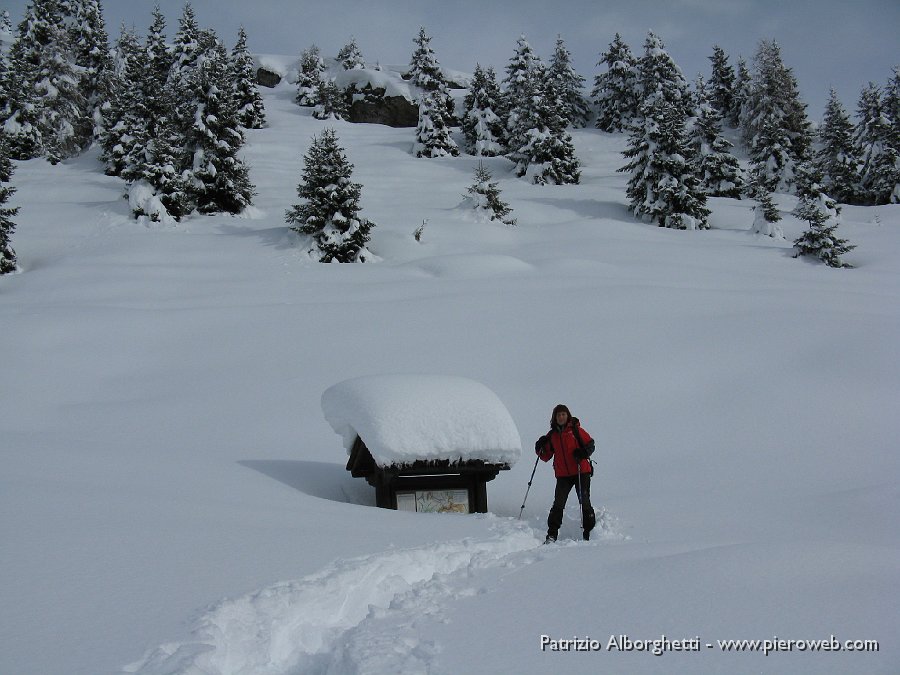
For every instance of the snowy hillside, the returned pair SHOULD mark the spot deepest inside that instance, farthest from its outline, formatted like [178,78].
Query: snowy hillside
[173,499]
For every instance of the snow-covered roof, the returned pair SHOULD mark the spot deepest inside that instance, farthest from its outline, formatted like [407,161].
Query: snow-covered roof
[404,418]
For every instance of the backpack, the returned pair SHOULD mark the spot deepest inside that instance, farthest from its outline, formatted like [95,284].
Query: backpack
[576,431]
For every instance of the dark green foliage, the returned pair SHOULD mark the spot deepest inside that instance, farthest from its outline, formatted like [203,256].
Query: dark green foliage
[836,158]
[425,73]
[773,118]
[481,125]
[350,56]
[721,84]
[569,85]
[716,166]
[329,211]
[312,72]
[221,181]
[663,187]
[250,109]
[615,91]
[330,101]
[485,197]
[7,226]
[433,130]
[820,240]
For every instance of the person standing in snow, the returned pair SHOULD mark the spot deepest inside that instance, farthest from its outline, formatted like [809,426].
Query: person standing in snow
[571,465]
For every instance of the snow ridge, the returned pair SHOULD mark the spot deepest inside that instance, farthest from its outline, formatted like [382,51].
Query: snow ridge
[314,624]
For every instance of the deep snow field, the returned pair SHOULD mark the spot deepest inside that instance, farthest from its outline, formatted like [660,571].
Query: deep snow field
[172,499]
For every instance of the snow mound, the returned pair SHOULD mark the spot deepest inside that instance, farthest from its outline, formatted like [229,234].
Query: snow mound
[305,625]
[472,266]
[404,418]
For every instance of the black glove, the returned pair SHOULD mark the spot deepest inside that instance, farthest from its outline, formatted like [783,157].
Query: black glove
[539,445]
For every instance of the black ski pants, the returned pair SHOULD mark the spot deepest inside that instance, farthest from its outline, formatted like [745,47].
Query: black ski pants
[564,485]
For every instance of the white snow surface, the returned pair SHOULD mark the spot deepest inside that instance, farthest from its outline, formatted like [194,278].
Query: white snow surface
[173,501]
[403,418]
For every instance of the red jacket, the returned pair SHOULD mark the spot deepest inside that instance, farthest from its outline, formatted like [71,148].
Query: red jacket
[560,444]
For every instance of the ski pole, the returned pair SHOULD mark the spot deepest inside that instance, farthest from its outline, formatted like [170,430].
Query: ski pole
[578,492]
[536,460]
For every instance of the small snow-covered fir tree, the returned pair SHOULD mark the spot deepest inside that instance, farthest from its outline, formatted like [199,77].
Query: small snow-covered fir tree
[663,187]
[765,213]
[350,57]
[615,91]
[481,125]
[330,208]
[312,73]
[484,197]
[7,226]
[569,85]
[820,240]
[721,84]
[433,137]
[330,101]
[717,168]
[250,109]
[159,190]
[221,181]
[836,157]
[425,73]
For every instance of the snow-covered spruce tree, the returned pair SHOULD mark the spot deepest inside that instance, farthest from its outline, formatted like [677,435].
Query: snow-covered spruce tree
[743,85]
[350,57]
[890,176]
[329,211]
[484,197]
[548,155]
[765,213]
[481,125]
[126,130]
[186,48]
[158,189]
[330,101]
[876,143]
[569,84]
[774,100]
[836,158]
[615,91]
[312,73]
[517,89]
[90,43]
[820,240]
[433,137]
[221,181]
[660,78]
[156,87]
[721,84]
[38,35]
[251,111]
[65,127]
[7,226]
[425,73]
[718,169]
[663,187]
